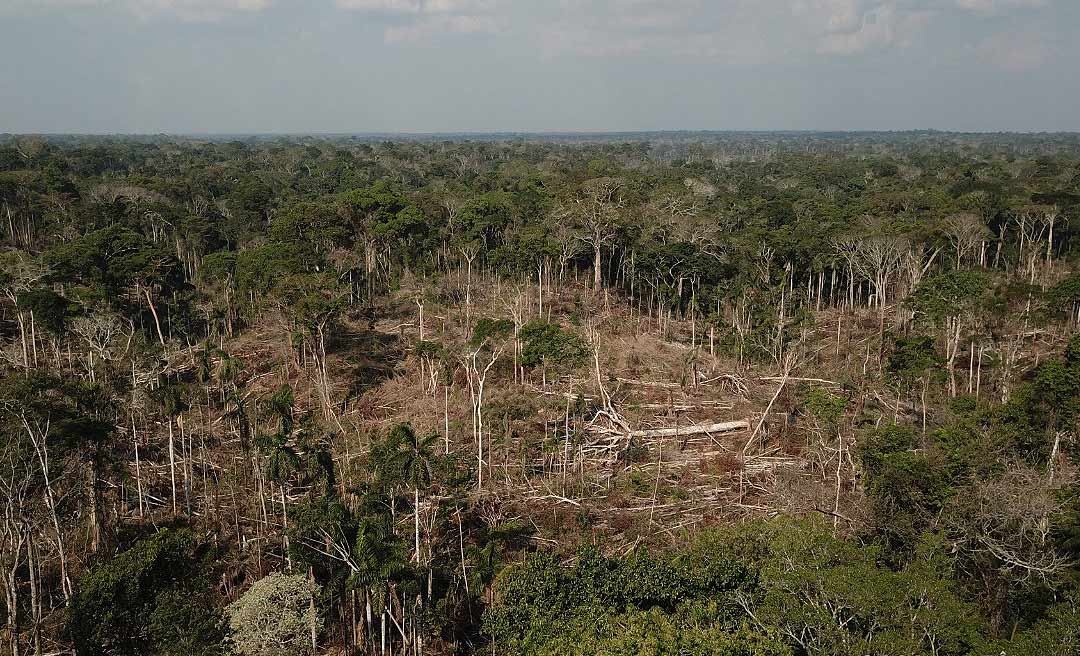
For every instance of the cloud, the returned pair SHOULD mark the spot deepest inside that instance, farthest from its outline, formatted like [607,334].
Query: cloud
[993,6]
[420,6]
[188,10]
[727,30]
[196,9]
[851,27]
[435,26]
[1014,52]
[427,20]
[387,6]
[734,31]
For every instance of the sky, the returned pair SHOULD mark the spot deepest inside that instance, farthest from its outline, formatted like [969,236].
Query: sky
[419,66]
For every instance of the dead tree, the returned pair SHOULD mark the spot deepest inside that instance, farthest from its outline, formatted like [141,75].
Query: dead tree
[596,212]
[875,258]
[967,233]
[476,372]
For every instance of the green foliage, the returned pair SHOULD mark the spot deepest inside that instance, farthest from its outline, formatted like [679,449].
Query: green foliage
[491,330]
[545,342]
[429,349]
[484,219]
[830,596]
[1048,403]
[403,457]
[1058,634]
[948,294]
[51,310]
[777,587]
[906,488]
[827,407]
[275,617]
[259,269]
[540,605]
[218,266]
[313,300]
[186,623]
[309,224]
[148,600]
[911,358]
[383,214]
[1064,296]
[965,450]
[109,262]
[294,451]
[75,415]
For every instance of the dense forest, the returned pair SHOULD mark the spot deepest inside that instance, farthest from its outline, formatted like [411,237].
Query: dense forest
[678,393]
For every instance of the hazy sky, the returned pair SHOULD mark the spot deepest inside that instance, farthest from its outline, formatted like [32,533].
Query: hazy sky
[202,66]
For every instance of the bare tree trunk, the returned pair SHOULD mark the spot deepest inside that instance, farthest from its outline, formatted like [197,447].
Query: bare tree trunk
[34,566]
[954,346]
[172,465]
[839,467]
[11,590]
[22,336]
[153,312]
[138,466]
[596,268]
[95,510]
[41,449]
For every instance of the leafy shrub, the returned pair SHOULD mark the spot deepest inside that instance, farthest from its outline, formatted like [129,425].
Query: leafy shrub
[543,608]
[144,601]
[275,617]
[491,329]
[767,588]
[907,489]
[545,342]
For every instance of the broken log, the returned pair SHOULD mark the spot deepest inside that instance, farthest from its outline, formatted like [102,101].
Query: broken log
[722,427]
[648,383]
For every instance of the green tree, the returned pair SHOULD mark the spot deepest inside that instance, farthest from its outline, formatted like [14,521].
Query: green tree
[275,617]
[148,600]
[949,300]
[546,343]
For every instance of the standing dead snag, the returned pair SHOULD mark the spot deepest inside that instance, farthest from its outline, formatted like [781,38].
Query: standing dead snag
[517,304]
[967,233]
[468,253]
[596,214]
[876,258]
[477,376]
[419,300]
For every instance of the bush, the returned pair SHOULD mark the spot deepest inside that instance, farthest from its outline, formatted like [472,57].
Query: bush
[544,608]
[275,617]
[547,343]
[145,601]
[767,588]
[491,329]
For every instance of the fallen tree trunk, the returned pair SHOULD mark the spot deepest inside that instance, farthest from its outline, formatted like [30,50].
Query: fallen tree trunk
[722,427]
[648,383]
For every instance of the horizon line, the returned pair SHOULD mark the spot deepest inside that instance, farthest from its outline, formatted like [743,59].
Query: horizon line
[539,133]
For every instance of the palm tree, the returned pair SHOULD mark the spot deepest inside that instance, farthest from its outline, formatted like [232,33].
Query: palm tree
[416,470]
[377,559]
[281,458]
[405,459]
[171,398]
